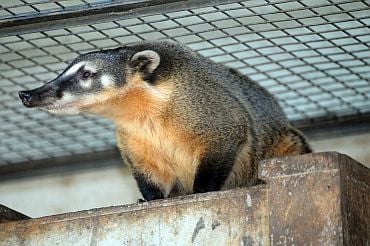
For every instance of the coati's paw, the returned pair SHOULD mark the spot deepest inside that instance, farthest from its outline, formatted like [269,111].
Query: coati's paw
[140,200]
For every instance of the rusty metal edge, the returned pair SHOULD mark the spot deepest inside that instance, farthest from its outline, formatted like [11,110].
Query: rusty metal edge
[325,127]
[109,12]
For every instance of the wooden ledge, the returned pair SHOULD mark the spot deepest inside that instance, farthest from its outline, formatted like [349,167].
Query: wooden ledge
[320,198]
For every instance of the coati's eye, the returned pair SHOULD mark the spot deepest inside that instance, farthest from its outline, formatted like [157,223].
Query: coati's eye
[86,75]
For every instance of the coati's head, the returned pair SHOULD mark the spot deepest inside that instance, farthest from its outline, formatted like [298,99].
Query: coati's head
[97,80]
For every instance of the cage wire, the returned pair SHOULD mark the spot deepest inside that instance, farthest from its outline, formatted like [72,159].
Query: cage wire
[312,55]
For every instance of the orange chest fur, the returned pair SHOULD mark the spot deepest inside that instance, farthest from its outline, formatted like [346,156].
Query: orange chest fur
[165,154]
[155,143]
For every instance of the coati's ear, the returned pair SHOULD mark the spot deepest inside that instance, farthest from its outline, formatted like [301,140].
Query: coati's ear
[145,61]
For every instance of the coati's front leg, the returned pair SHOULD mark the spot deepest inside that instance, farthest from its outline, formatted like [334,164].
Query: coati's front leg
[213,171]
[147,188]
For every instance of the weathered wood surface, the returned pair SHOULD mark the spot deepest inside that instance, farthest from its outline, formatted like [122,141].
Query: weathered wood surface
[218,218]
[355,202]
[321,198]
[315,199]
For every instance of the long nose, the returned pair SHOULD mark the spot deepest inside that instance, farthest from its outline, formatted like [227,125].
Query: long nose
[40,96]
[26,97]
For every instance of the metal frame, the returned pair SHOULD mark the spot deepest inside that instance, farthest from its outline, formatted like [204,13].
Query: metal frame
[95,13]
[58,165]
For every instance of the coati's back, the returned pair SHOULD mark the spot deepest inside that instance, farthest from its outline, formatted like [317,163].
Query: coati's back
[184,124]
[225,95]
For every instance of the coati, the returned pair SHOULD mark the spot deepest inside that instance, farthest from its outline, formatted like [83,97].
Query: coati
[184,124]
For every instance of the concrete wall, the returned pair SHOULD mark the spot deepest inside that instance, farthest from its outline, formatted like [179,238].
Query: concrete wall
[46,195]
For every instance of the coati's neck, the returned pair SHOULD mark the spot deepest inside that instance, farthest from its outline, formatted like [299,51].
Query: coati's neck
[138,107]
[135,106]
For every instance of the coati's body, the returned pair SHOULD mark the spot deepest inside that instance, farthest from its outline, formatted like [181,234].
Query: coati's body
[185,124]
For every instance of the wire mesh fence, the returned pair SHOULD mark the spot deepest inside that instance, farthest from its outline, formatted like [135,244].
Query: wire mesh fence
[18,9]
[312,55]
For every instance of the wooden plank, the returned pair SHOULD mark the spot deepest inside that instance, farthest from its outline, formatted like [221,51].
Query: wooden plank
[227,217]
[316,199]
[355,201]
[320,198]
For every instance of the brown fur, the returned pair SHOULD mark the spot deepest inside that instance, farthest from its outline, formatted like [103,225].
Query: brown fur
[242,174]
[184,123]
[156,144]
[158,149]
[288,144]
[133,102]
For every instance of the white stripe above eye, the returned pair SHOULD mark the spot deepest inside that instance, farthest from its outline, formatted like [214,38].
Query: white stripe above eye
[74,68]
[90,67]
[77,66]
[107,80]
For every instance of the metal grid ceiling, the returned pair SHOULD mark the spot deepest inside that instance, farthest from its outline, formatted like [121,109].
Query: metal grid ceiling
[29,8]
[312,55]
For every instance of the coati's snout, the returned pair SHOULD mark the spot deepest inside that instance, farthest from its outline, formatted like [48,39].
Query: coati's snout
[54,96]
[28,98]
[39,97]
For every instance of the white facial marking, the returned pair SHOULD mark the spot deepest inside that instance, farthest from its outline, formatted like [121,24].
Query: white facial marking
[107,81]
[63,111]
[86,83]
[61,106]
[66,98]
[74,68]
[90,67]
